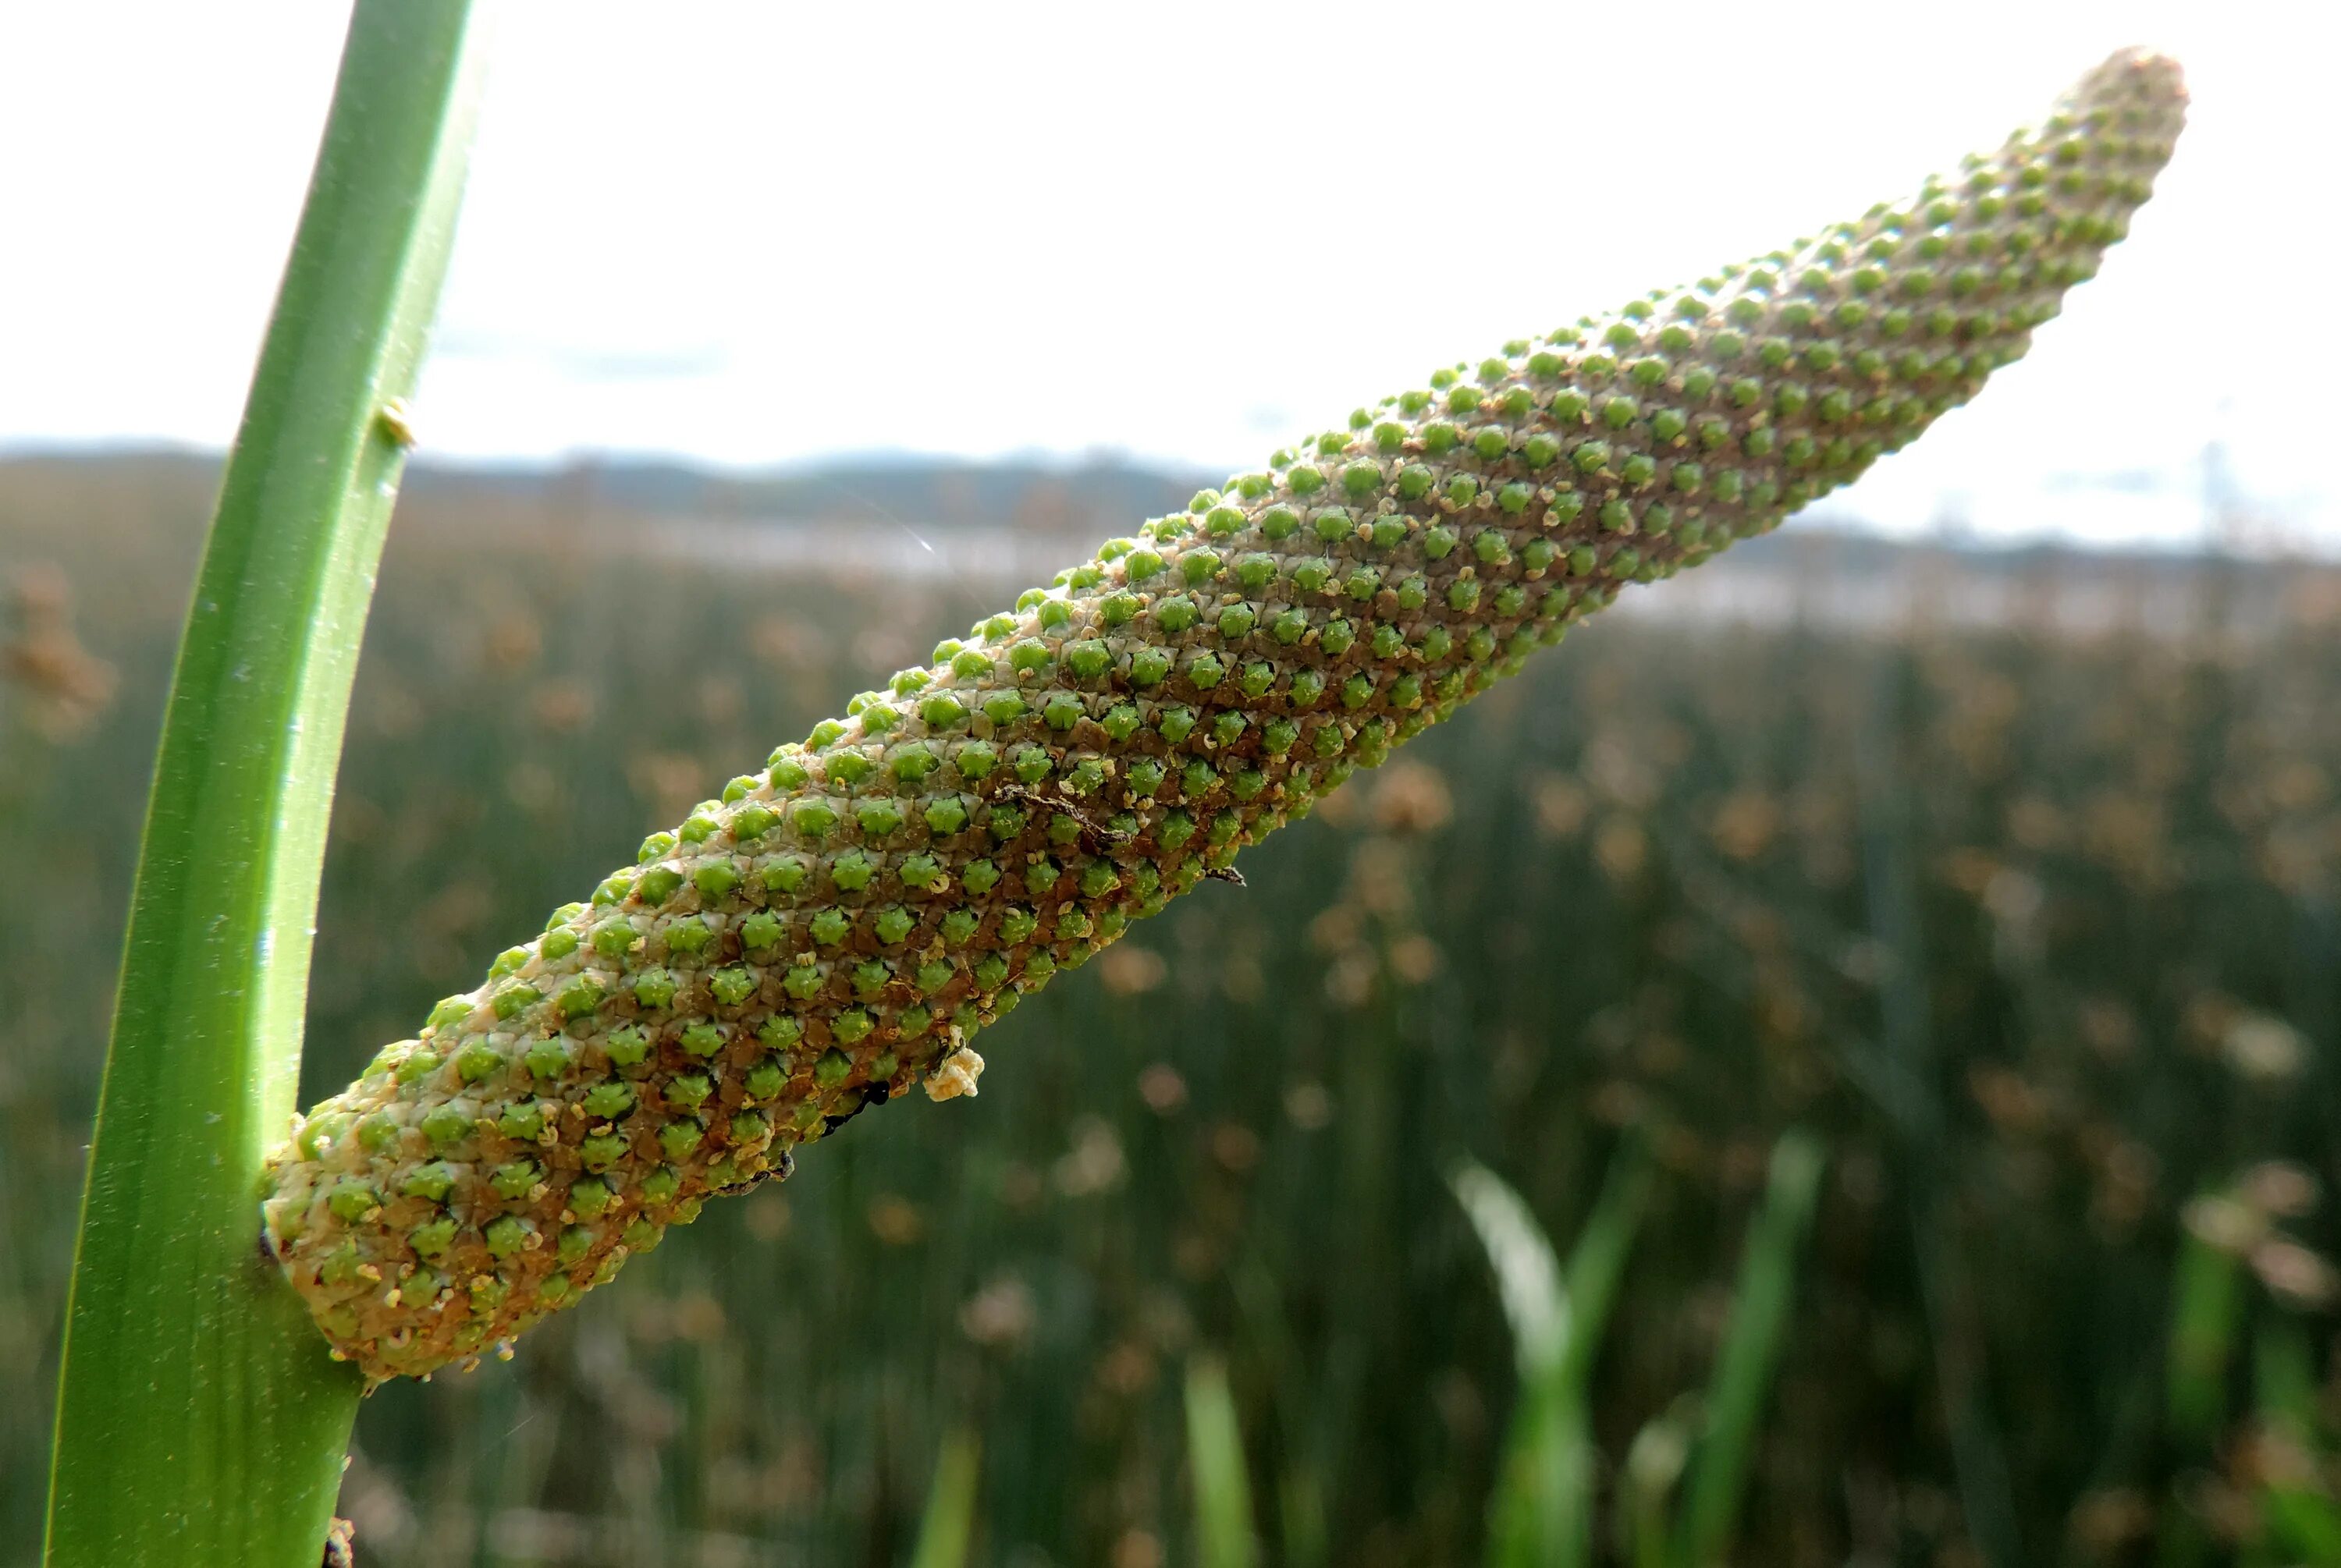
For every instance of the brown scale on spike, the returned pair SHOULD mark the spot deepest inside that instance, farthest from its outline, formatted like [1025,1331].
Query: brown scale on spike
[835,929]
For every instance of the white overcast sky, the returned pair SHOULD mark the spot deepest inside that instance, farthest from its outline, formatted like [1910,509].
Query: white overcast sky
[757,233]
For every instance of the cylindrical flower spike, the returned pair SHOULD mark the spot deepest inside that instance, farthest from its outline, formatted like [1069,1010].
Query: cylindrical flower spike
[835,928]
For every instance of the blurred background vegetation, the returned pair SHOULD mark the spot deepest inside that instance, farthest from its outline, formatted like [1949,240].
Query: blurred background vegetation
[1985,905]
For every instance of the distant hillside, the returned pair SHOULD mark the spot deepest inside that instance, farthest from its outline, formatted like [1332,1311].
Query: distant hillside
[1100,496]
[1096,496]
[985,528]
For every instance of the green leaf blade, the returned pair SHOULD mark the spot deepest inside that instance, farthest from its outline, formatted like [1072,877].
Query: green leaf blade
[1741,1385]
[1542,1515]
[947,1530]
[1215,1457]
[1528,1271]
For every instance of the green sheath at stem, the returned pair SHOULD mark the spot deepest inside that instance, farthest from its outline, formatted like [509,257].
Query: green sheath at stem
[199,1420]
[836,927]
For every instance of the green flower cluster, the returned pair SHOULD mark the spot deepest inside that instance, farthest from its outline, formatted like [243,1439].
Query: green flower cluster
[836,928]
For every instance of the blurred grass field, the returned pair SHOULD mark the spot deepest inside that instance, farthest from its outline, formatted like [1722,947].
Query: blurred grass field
[2030,919]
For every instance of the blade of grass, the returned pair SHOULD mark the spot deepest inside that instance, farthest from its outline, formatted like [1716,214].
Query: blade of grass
[1542,1513]
[1646,1485]
[2297,1507]
[1301,1512]
[2206,1323]
[1751,1352]
[1539,1513]
[949,1527]
[1527,1270]
[199,1419]
[1223,1517]
[2205,1318]
[2304,1524]
[2284,1380]
[1598,1261]
[1302,1528]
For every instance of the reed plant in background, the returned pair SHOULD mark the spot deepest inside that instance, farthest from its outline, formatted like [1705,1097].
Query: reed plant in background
[834,929]
[946,1533]
[2272,1496]
[1210,1135]
[1224,1534]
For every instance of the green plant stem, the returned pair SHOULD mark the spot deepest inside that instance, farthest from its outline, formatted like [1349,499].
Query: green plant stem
[2207,1316]
[1542,1511]
[947,1532]
[1215,1457]
[199,1419]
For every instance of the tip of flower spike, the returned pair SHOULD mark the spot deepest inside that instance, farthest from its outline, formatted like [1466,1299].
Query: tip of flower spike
[2138,71]
[2135,95]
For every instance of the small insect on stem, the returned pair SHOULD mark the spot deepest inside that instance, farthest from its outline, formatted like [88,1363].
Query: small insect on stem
[867,1095]
[780,1170]
[395,422]
[1096,837]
